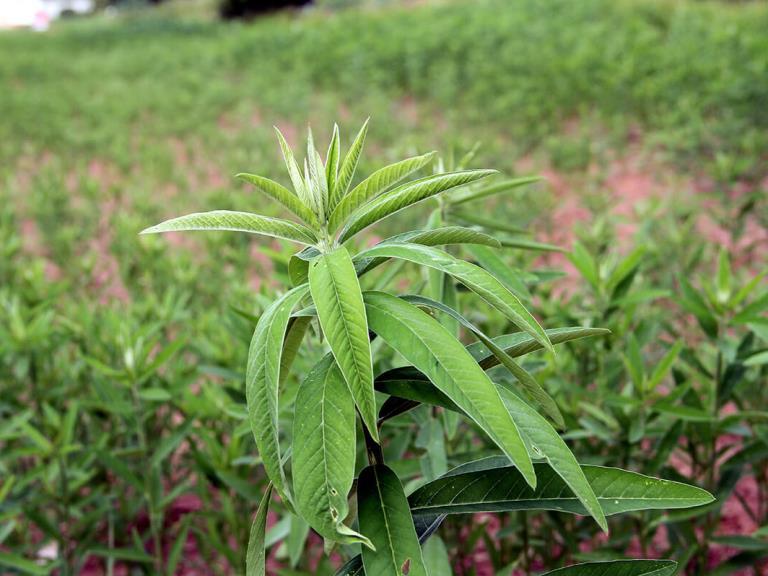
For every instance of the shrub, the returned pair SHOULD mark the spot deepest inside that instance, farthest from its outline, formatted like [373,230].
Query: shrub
[315,474]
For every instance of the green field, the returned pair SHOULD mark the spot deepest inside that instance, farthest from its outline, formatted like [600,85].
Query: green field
[122,357]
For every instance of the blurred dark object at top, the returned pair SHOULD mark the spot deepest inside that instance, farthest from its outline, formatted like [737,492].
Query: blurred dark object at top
[247,8]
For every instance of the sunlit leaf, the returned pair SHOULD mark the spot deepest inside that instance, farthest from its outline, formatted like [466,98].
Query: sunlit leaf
[227,220]
[282,195]
[426,344]
[376,183]
[340,309]
[406,195]
[473,277]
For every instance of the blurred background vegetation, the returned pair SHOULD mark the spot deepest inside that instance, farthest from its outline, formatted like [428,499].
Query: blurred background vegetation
[122,424]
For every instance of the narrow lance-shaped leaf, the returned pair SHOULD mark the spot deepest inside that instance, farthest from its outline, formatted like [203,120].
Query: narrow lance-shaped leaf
[515,345]
[348,166]
[519,344]
[425,526]
[299,185]
[227,220]
[263,381]
[376,183]
[256,556]
[491,261]
[386,519]
[437,237]
[341,312]
[324,451]
[282,195]
[318,182]
[405,195]
[619,568]
[473,277]
[556,452]
[494,485]
[426,344]
[531,387]
[493,189]
[332,159]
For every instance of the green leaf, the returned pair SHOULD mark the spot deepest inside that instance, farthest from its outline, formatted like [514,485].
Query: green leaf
[155,395]
[297,327]
[174,555]
[299,185]
[531,387]
[405,195]
[436,558]
[493,189]
[555,451]
[619,568]
[324,451]
[332,160]
[340,309]
[318,180]
[227,220]
[527,244]
[256,556]
[472,217]
[585,264]
[348,166]
[386,520]
[375,184]
[664,365]
[130,554]
[263,381]
[473,277]
[282,195]
[519,344]
[428,345]
[22,564]
[723,276]
[169,444]
[494,485]
[435,237]
[490,260]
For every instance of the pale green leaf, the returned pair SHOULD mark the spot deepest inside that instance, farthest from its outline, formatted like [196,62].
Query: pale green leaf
[480,281]
[282,195]
[340,310]
[428,345]
[375,184]
[386,520]
[263,381]
[405,195]
[332,160]
[227,220]
[437,237]
[299,185]
[348,166]
[324,451]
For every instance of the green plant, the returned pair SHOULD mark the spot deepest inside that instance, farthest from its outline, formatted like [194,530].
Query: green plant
[535,468]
